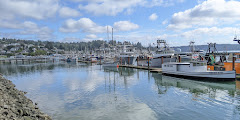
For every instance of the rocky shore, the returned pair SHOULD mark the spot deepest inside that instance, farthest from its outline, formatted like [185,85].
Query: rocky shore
[14,105]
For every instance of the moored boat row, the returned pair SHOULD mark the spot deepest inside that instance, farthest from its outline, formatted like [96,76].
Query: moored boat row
[200,64]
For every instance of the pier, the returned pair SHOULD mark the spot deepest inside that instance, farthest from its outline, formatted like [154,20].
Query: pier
[151,69]
[29,60]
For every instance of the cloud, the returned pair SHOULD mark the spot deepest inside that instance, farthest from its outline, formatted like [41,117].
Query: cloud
[91,36]
[68,12]
[71,39]
[37,9]
[164,3]
[109,7]
[208,13]
[28,28]
[114,7]
[84,25]
[165,22]
[153,17]
[125,26]
[10,24]
[88,26]
[202,36]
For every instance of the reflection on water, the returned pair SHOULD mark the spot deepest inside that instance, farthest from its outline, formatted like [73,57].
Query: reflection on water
[79,91]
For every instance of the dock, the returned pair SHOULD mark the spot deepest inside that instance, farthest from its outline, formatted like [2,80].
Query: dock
[29,59]
[151,69]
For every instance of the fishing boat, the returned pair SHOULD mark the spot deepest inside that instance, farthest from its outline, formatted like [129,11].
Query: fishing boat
[92,59]
[228,63]
[188,56]
[163,54]
[196,70]
[71,59]
[127,55]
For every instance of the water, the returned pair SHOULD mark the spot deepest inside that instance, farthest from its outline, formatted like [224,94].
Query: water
[78,91]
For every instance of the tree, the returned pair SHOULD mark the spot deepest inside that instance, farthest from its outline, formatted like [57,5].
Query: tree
[9,47]
[40,52]
[61,47]
[49,45]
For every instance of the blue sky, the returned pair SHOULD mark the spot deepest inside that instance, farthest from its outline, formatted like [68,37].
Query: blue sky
[145,21]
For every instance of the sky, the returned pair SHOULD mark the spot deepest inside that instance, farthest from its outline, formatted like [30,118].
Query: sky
[176,21]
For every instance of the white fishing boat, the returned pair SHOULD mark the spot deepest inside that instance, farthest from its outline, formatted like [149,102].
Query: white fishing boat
[197,70]
[127,55]
[163,54]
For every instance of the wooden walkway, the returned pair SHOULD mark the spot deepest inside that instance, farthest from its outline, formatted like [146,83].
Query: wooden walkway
[151,69]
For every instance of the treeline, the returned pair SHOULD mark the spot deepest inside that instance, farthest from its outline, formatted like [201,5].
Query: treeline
[67,46]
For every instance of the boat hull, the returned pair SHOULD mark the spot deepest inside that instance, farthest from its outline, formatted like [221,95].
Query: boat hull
[157,62]
[204,76]
[128,60]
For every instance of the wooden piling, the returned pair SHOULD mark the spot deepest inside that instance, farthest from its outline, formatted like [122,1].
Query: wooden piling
[128,60]
[137,61]
[162,59]
[179,58]
[148,62]
[233,63]
[121,60]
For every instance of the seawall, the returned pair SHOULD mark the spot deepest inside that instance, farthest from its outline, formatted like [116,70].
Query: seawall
[14,105]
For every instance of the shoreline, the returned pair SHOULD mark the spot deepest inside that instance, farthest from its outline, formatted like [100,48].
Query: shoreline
[15,105]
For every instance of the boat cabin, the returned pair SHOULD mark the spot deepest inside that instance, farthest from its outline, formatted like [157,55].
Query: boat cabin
[193,66]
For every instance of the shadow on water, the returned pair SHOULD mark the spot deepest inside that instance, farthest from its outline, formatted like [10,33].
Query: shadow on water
[195,87]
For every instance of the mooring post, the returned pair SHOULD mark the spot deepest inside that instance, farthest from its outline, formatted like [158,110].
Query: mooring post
[121,60]
[16,60]
[148,62]
[162,59]
[233,63]
[179,58]
[23,61]
[128,60]
[137,61]
[100,61]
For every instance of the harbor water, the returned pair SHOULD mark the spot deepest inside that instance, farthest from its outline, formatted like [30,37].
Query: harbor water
[74,91]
